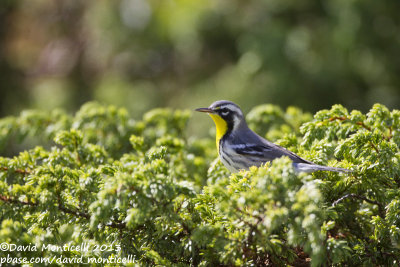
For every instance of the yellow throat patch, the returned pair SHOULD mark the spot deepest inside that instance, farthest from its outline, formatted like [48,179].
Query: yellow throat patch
[221,126]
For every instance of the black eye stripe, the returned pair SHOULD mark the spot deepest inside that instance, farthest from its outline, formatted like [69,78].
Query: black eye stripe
[227,110]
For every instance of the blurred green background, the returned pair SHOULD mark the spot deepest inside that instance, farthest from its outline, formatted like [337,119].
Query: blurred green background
[141,54]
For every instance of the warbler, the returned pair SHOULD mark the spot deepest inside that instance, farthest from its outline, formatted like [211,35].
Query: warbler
[240,148]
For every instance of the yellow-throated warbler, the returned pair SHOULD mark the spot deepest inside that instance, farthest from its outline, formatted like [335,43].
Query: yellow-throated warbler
[240,148]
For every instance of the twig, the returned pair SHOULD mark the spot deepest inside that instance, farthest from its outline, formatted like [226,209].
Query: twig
[390,133]
[115,224]
[2,168]
[73,212]
[258,217]
[78,158]
[380,205]
[358,197]
[15,201]
[374,147]
[344,118]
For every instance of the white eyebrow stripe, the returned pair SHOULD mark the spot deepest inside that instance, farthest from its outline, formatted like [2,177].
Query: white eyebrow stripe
[230,107]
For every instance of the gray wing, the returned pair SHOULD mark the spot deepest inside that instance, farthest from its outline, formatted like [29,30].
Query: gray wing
[252,145]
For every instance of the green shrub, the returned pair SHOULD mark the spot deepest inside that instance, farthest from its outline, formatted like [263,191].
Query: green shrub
[143,188]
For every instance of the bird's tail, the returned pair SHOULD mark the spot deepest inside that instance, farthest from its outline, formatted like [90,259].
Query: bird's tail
[306,167]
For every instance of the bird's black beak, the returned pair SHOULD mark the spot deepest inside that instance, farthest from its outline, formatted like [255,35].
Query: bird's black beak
[206,110]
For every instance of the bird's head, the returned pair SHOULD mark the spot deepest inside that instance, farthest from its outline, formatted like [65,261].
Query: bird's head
[226,115]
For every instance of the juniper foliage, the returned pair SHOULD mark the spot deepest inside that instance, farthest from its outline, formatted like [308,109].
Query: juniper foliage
[147,190]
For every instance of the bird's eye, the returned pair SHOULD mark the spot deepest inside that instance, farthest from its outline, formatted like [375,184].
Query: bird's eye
[224,111]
